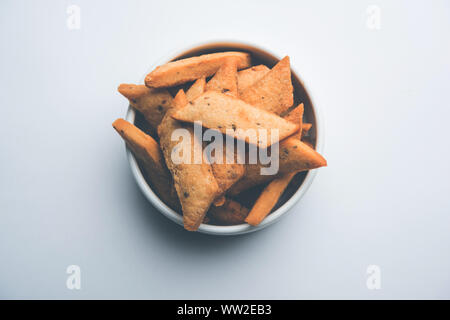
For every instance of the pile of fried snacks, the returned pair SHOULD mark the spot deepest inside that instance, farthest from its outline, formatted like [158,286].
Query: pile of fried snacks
[229,97]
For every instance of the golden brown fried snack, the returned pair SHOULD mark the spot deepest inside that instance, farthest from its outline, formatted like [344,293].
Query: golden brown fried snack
[273,191]
[225,79]
[195,183]
[189,69]
[230,213]
[295,156]
[148,153]
[249,76]
[305,128]
[221,112]
[296,116]
[152,103]
[268,199]
[196,89]
[274,91]
[227,174]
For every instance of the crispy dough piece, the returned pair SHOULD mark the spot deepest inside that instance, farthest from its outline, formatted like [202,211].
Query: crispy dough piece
[295,156]
[230,213]
[189,69]
[249,76]
[152,103]
[305,128]
[225,79]
[273,191]
[296,116]
[221,112]
[148,153]
[268,199]
[274,91]
[197,88]
[227,174]
[195,183]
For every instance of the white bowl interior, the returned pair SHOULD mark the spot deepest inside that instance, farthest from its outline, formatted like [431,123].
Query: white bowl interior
[298,185]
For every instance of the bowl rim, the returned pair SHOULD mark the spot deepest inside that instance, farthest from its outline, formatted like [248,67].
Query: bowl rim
[241,228]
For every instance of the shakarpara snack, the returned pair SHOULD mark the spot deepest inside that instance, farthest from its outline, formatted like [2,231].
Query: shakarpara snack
[232,99]
[296,116]
[228,114]
[226,174]
[274,91]
[190,69]
[249,76]
[146,149]
[294,156]
[305,128]
[195,183]
[196,89]
[225,79]
[152,103]
[268,199]
[230,213]
[273,191]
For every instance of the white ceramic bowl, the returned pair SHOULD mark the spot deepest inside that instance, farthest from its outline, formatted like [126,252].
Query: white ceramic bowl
[312,114]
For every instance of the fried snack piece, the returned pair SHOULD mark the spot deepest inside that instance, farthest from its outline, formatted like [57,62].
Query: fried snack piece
[305,128]
[249,76]
[189,69]
[268,199]
[274,91]
[227,174]
[221,112]
[195,183]
[196,89]
[225,79]
[296,116]
[148,153]
[273,191]
[230,213]
[152,103]
[295,156]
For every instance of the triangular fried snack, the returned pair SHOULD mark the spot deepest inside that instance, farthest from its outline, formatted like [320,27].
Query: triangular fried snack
[195,183]
[294,156]
[230,213]
[152,103]
[268,199]
[274,91]
[190,69]
[249,76]
[225,79]
[147,151]
[197,88]
[296,116]
[233,116]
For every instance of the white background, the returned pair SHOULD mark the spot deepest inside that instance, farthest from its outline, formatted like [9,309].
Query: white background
[67,195]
